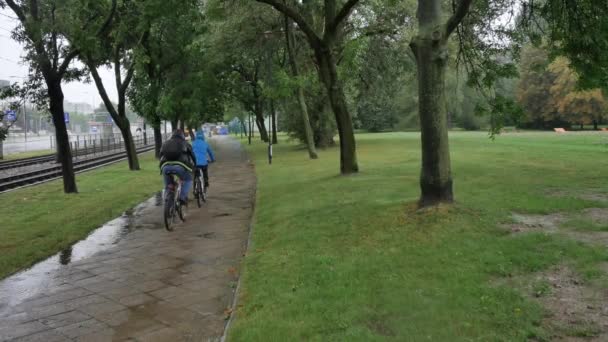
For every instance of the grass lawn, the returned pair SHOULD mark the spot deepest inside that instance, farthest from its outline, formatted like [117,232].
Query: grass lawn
[350,259]
[27,154]
[39,221]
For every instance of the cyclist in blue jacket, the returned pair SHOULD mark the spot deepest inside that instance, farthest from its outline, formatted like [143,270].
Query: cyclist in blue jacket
[201,150]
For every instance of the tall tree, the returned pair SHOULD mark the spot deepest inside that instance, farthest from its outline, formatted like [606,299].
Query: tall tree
[430,47]
[323,46]
[42,29]
[293,63]
[114,47]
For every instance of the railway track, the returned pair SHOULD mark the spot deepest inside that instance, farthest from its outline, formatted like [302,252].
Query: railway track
[5,165]
[53,172]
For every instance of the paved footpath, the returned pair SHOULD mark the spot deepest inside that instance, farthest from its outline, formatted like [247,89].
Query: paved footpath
[145,284]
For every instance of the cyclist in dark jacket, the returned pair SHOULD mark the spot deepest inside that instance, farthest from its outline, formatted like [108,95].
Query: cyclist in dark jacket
[176,157]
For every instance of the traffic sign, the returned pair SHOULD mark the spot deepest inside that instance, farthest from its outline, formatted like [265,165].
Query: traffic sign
[66,117]
[10,115]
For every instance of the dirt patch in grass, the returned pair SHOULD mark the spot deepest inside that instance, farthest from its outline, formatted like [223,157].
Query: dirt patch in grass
[535,223]
[575,310]
[593,238]
[597,215]
[587,195]
[380,327]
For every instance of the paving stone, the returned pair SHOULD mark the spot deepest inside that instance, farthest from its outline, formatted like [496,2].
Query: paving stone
[119,292]
[21,330]
[84,301]
[151,285]
[14,319]
[102,335]
[169,291]
[138,325]
[115,318]
[64,319]
[45,336]
[162,335]
[57,297]
[136,300]
[46,311]
[89,327]
[101,308]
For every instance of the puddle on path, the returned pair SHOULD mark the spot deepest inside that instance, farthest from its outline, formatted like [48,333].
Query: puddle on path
[44,275]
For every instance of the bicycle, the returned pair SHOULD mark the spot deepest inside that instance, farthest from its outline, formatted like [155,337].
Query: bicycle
[172,203]
[200,190]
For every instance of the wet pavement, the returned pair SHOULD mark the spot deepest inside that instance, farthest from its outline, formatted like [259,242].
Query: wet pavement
[131,280]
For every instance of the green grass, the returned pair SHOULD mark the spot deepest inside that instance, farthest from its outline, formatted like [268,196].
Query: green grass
[39,221]
[350,259]
[27,154]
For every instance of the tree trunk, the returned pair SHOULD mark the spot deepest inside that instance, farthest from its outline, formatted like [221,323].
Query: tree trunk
[274,122]
[595,125]
[250,126]
[329,76]
[430,49]
[174,124]
[145,134]
[1,150]
[158,141]
[259,120]
[243,128]
[310,142]
[64,154]
[125,129]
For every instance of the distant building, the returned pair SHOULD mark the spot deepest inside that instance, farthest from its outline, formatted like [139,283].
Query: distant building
[77,107]
[4,83]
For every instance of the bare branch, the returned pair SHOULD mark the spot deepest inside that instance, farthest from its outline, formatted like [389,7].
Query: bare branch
[55,56]
[66,61]
[34,9]
[459,14]
[313,38]
[18,11]
[117,69]
[108,21]
[342,15]
[102,89]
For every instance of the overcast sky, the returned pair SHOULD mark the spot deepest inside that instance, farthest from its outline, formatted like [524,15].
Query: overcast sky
[12,68]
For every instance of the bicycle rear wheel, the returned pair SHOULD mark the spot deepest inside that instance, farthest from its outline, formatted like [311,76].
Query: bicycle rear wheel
[169,210]
[198,192]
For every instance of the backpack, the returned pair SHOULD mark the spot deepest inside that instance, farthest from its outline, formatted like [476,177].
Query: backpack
[172,150]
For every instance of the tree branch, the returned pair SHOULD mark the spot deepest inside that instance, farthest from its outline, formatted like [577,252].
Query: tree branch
[34,9]
[102,90]
[128,78]
[54,38]
[342,15]
[459,14]
[313,38]
[18,11]
[66,61]
[108,21]
[117,75]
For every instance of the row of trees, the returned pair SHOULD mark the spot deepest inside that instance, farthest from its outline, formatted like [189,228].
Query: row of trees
[548,91]
[315,61]
[152,47]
